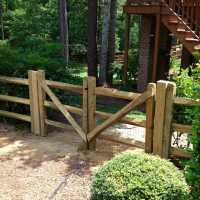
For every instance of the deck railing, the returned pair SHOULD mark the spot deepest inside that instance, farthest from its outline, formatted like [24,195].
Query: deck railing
[189,11]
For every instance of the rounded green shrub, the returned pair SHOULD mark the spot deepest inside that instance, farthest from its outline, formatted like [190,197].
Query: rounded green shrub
[138,176]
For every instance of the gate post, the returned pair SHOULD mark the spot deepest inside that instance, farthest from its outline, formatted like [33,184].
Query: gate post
[34,105]
[150,111]
[41,101]
[89,108]
[165,93]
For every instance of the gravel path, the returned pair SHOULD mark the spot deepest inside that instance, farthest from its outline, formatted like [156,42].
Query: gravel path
[48,168]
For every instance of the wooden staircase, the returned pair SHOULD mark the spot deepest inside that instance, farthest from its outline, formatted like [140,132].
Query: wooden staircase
[181,17]
[183,20]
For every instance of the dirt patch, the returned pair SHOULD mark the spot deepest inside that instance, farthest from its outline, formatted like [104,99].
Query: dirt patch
[48,168]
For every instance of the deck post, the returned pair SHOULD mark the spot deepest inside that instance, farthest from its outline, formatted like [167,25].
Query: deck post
[41,100]
[126,51]
[165,93]
[156,47]
[34,105]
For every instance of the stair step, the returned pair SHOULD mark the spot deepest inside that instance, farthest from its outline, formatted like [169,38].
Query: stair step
[191,39]
[173,22]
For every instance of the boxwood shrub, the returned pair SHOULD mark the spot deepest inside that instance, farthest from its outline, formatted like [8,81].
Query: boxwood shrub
[138,176]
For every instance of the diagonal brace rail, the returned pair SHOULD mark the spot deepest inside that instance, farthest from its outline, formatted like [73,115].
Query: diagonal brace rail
[64,111]
[134,103]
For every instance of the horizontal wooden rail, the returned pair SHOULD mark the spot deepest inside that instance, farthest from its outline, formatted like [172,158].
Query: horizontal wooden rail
[71,109]
[122,140]
[186,102]
[15,99]
[25,118]
[65,86]
[180,153]
[182,128]
[13,80]
[125,120]
[56,124]
[99,114]
[116,93]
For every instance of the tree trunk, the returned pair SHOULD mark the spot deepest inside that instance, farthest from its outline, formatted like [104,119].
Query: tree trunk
[1,18]
[111,40]
[92,38]
[64,32]
[104,44]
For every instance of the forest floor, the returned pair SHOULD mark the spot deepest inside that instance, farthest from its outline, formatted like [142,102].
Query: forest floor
[49,168]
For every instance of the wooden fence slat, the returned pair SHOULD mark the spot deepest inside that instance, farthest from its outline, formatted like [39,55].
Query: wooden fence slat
[138,101]
[41,101]
[64,111]
[182,128]
[34,105]
[150,106]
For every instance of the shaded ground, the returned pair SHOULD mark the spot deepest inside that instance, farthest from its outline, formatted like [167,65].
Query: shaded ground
[48,168]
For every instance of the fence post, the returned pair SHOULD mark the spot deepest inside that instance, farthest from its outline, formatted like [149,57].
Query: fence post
[89,109]
[92,108]
[34,106]
[150,111]
[41,100]
[171,92]
[165,92]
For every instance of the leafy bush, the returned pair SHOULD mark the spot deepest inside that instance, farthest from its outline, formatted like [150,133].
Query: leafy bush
[139,176]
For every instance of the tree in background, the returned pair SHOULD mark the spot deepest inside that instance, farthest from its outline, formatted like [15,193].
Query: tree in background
[64,31]
[92,38]
[107,54]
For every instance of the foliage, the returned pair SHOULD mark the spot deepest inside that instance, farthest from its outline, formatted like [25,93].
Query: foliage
[136,176]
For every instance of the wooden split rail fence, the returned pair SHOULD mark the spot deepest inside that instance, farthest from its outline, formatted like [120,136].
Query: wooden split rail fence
[159,100]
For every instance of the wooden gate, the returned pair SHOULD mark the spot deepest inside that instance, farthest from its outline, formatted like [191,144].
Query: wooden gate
[159,99]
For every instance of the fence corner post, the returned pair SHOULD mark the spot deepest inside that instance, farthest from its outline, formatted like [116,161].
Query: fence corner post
[150,111]
[165,92]
[34,105]
[41,101]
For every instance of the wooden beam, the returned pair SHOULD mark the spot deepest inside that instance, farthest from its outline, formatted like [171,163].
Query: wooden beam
[150,111]
[156,48]
[116,93]
[65,86]
[64,111]
[120,114]
[159,118]
[126,50]
[187,102]
[41,100]
[71,109]
[142,9]
[167,131]
[13,80]
[182,128]
[15,99]
[25,118]
[34,104]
